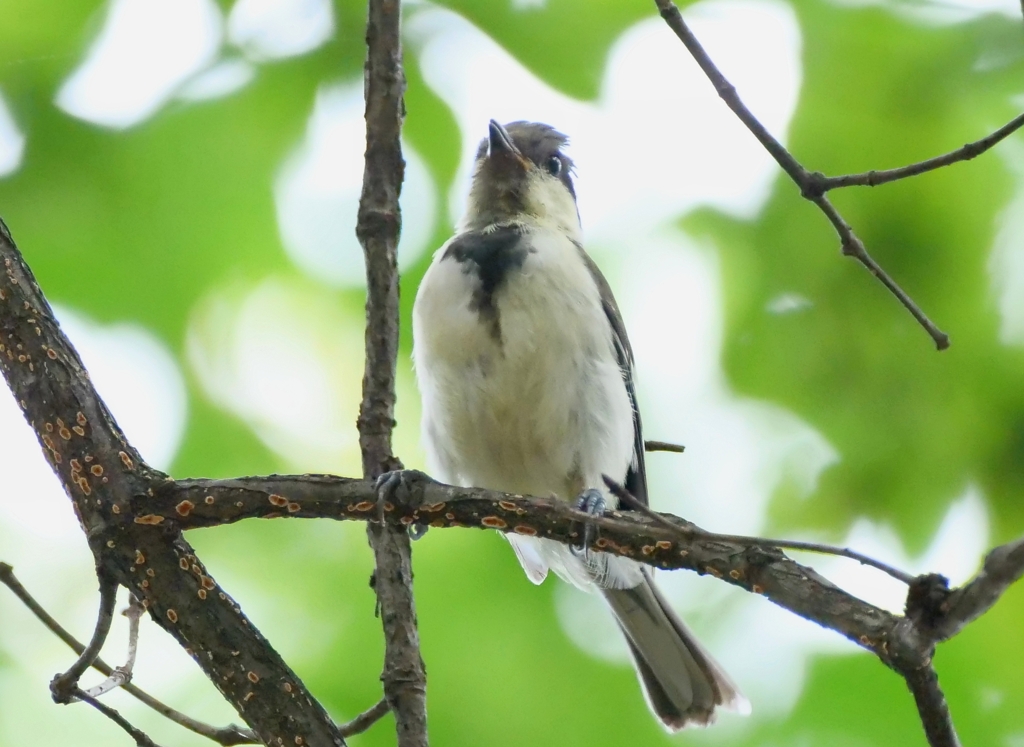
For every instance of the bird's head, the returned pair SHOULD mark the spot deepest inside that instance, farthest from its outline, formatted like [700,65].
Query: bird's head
[521,175]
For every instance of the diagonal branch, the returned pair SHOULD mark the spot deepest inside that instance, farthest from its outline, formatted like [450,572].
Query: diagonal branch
[821,183]
[141,738]
[366,719]
[102,474]
[809,184]
[378,228]
[1003,567]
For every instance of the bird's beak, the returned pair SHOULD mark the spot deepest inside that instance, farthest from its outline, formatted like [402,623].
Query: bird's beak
[502,152]
[500,143]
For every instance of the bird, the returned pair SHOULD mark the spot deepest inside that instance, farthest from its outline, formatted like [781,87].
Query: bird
[526,377]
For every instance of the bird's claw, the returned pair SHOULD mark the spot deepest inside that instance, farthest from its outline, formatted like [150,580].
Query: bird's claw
[591,502]
[399,487]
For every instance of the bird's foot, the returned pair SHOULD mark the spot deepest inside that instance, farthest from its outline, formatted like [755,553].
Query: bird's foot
[591,502]
[402,487]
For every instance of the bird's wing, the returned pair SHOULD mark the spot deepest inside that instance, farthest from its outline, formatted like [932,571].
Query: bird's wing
[636,477]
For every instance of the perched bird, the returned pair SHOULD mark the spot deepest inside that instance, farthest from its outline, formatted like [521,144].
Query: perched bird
[526,376]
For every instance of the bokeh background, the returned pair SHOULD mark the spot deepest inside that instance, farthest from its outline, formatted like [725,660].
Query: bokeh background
[182,176]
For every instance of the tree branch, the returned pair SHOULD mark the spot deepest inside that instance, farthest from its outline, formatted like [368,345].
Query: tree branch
[103,474]
[65,685]
[378,228]
[664,446]
[821,183]
[630,501]
[755,566]
[366,719]
[1003,567]
[809,184]
[906,644]
[932,707]
[140,737]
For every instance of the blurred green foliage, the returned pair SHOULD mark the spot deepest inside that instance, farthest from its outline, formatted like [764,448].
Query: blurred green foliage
[141,224]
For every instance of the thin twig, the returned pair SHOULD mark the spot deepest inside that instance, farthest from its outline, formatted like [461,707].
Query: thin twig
[366,719]
[141,738]
[63,684]
[121,676]
[227,735]
[875,178]
[664,446]
[808,183]
[852,246]
[620,492]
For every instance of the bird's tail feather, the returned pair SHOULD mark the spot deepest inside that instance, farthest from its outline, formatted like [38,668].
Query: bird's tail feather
[684,686]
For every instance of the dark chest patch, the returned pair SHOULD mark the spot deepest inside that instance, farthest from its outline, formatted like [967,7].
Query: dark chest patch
[491,256]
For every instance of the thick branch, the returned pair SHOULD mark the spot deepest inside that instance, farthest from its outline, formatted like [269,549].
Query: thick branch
[661,540]
[1003,567]
[378,228]
[753,566]
[102,474]
[809,183]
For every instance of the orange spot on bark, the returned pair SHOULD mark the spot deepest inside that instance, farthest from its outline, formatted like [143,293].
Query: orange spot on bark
[184,508]
[172,616]
[277,500]
[526,530]
[494,522]
[151,519]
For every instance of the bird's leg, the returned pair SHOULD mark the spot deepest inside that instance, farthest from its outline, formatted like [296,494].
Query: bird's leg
[591,502]
[402,487]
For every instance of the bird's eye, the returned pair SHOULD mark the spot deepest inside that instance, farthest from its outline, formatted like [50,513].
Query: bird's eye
[553,165]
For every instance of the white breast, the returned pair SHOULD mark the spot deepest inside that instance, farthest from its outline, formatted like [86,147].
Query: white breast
[543,411]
